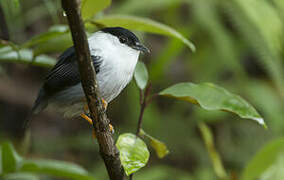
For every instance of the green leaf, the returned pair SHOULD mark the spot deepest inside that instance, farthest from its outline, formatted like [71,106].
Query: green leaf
[133,152]
[54,45]
[142,7]
[143,24]
[90,7]
[10,158]
[264,159]
[211,97]
[7,54]
[53,32]
[276,170]
[55,168]
[160,147]
[141,75]
[20,176]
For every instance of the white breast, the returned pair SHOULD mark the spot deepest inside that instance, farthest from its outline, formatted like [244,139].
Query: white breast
[115,73]
[118,64]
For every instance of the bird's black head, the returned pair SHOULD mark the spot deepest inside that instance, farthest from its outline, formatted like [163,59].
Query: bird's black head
[126,37]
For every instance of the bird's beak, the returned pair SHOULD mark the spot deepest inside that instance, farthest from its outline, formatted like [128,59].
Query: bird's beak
[140,47]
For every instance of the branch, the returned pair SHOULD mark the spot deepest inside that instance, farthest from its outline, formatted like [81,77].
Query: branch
[108,150]
[143,105]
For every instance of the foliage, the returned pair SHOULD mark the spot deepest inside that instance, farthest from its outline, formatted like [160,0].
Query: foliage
[238,46]
[133,152]
[267,163]
[15,167]
[143,24]
[212,97]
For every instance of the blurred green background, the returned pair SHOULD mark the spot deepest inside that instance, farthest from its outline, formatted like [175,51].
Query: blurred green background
[239,46]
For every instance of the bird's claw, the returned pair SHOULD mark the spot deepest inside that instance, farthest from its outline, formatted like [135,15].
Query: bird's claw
[87,118]
[104,104]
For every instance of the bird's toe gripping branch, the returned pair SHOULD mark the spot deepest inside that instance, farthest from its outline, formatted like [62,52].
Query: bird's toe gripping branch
[87,118]
[86,108]
[104,103]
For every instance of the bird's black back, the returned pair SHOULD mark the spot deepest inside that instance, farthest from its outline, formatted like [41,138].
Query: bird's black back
[63,75]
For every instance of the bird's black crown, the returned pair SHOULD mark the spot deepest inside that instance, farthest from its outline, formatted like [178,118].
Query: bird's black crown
[124,35]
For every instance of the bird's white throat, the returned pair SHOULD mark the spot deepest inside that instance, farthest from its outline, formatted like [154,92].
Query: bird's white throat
[118,65]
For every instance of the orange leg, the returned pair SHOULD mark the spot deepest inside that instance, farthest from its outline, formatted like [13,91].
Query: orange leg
[84,116]
[87,118]
[86,108]
[104,103]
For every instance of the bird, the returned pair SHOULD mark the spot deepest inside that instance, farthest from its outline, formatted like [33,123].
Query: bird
[114,54]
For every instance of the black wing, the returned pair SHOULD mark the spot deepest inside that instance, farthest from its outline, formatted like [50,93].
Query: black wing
[65,73]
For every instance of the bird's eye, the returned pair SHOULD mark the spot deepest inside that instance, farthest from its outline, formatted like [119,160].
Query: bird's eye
[122,39]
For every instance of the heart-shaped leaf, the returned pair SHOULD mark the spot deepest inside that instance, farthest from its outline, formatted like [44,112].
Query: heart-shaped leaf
[143,24]
[133,152]
[211,97]
[141,75]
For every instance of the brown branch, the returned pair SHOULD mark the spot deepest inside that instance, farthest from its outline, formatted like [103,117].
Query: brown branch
[108,150]
[143,105]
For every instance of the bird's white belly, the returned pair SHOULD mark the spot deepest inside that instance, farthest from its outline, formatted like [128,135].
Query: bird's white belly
[111,84]
[111,79]
[115,72]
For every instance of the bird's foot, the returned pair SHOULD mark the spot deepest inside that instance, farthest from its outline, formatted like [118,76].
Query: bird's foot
[86,107]
[87,118]
[104,104]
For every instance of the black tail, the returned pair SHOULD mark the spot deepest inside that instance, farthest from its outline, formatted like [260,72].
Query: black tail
[39,105]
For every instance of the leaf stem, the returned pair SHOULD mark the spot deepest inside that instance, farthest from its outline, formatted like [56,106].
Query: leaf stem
[214,155]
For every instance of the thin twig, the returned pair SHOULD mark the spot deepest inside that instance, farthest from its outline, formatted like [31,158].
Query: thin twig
[142,109]
[108,150]
[151,99]
[143,105]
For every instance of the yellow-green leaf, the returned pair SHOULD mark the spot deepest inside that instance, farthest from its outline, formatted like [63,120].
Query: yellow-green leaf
[213,153]
[90,7]
[212,97]
[133,152]
[143,24]
[160,147]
